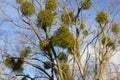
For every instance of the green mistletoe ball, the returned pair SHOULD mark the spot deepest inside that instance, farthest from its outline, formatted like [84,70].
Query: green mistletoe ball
[86,4]
[9,61]
[51,5]
[85,32]
[17,67]
[14,63]
[63,38]
[102,17]
[25,52]
[27,8]
[62,57]
[82,26]
[44,45]
[115,28]
[47,65]
[106,41]
[67,17]
[45,18]
[66,71]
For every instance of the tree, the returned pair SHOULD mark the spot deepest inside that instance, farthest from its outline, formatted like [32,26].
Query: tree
[59,43]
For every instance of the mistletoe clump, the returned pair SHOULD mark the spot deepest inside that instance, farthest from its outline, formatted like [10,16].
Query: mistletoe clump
[85,33]
[27,8]
[62,57]
[25,52]
[106,41]
[65,71]
[82,26]
[14,63]
[63,38]
[115,28]
[45,18]
[50,4]
[44,45]
[9,61]
[47,65]
[64,67]
[67,17]
[102,17]
[18,65]
[19,1]
[86,4]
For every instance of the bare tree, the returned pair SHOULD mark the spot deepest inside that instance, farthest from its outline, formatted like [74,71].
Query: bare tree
[57,38]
